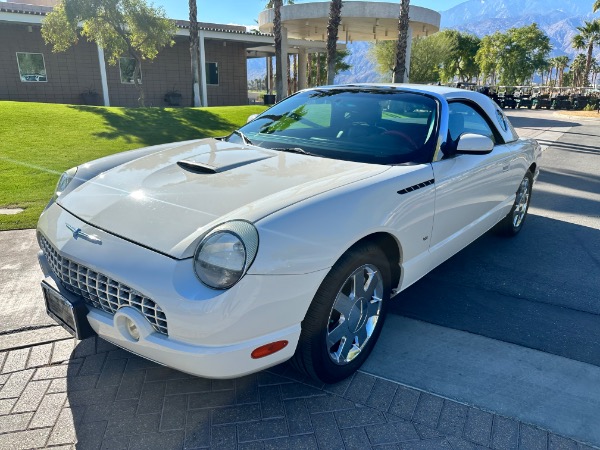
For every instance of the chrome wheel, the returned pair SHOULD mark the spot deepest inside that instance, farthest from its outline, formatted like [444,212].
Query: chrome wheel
[354,314]
[521,202]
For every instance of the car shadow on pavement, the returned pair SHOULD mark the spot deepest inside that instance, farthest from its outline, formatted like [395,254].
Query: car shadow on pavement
[538,289]
[116,400]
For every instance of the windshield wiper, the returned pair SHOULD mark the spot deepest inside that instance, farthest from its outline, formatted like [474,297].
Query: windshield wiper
[292,150]
[243,136]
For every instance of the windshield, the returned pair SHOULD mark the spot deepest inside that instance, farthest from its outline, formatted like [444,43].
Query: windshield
[363,125]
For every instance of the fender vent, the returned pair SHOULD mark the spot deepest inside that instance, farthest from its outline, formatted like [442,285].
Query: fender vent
[416,186]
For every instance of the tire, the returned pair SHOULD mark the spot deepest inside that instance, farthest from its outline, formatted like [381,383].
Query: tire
[513,222]
[339,330]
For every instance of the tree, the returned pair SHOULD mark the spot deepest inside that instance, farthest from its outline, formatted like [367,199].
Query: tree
[589,34]
[514,56]
[383,54]
[596,6]
[278,57]
[562,62]
[429,54]
[121,27]
[335,17]
[487,56]
[578,70]
[276,5]
[436,58]
[194,48]
[317,61]
[595,71]
[402,44]
[459,60]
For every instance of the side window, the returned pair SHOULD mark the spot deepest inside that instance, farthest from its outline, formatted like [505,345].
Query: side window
[465,119]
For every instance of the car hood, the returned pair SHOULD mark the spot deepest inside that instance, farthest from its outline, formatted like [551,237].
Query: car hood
[167,200]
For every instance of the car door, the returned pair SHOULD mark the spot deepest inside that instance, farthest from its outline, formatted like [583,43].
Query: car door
[468,188]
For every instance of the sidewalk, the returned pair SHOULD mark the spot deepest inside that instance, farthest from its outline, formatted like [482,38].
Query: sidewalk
[95,395]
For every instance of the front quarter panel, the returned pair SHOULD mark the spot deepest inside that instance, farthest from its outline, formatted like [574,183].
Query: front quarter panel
[313,234]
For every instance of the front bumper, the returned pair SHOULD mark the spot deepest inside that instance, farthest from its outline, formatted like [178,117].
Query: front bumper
[210,333]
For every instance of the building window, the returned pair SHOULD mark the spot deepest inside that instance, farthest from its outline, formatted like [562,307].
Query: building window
[31,67]
[212,73]
[127,67]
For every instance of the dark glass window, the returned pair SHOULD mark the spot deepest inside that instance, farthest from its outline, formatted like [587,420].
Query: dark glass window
[31,67]
[380,126]
[126,69]
[212,73]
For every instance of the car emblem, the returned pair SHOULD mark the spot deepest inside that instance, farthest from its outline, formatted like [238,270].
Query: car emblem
[77,233]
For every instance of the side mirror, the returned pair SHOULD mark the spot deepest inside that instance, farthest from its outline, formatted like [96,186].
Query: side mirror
[474,144]
[251,118]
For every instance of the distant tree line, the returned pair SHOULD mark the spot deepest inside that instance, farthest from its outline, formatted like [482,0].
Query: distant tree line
[510,58]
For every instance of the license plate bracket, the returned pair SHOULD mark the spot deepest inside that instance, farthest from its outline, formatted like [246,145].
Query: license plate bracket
[69,313]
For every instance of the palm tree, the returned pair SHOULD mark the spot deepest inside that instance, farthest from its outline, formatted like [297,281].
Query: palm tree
[578,70]
[278,57]
[589,34]
[194,46]
[562,62]
[276,5]
[596,6]
[595,71]
[403,24]
[335,17]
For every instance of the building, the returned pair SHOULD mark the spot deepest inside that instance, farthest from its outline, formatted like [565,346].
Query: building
[30,71]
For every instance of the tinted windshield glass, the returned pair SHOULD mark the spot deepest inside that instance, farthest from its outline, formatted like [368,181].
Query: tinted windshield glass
[373,126]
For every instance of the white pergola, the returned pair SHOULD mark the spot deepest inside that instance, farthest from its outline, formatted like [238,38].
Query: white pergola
[306,23]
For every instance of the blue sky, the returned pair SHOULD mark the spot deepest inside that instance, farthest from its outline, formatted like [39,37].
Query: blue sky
[245,12]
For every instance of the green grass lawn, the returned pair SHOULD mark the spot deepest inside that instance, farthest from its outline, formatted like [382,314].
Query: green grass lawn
[39,141]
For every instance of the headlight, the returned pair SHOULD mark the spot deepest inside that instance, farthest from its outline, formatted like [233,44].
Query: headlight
[225,254]
[64,181]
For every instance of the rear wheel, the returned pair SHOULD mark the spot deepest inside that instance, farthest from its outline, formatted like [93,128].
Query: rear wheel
[346,315]
[513,222]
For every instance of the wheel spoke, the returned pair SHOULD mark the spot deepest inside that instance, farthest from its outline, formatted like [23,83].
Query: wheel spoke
[358,288]
[338,333]
[343,304]
[362,335]
[348,348]
[371,285]
[373,307]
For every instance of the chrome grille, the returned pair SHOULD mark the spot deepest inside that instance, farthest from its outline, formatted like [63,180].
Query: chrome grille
[100,291]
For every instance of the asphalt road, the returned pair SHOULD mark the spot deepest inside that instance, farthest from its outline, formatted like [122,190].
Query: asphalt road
[540,289]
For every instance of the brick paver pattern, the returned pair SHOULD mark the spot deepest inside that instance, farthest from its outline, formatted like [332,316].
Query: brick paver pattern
[90,394]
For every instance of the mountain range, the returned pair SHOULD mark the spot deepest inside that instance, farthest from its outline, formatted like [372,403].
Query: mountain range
[559,19]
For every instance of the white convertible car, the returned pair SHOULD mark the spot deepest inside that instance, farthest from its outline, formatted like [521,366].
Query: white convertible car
[286,239]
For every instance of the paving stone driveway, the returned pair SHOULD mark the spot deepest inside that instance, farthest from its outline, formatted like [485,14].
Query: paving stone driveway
[94,395]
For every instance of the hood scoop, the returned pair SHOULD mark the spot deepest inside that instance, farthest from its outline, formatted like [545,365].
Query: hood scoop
[222,161]
[197,166]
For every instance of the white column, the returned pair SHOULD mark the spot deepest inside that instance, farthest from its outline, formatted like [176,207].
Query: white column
[103,78]
[302,60]
[202,64]
[284,61]
[408,52]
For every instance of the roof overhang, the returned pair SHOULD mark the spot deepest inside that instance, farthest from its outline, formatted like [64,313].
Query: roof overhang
[361,21]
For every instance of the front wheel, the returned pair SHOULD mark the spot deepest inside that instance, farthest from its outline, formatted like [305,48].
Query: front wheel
[346,315]
[513,222]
